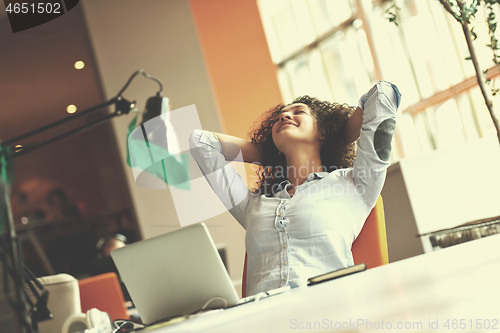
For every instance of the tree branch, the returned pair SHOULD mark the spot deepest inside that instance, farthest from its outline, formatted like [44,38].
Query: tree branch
[475,62]
[448,8]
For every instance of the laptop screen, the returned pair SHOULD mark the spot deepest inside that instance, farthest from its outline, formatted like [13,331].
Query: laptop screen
[174,274]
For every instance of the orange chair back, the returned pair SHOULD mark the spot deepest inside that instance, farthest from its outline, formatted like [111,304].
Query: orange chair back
[104,293]
[370,247]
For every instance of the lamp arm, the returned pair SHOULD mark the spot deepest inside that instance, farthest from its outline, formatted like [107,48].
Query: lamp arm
[59,122]
[122,107]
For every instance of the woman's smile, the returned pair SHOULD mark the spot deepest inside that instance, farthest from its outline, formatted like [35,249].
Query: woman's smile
[286,124]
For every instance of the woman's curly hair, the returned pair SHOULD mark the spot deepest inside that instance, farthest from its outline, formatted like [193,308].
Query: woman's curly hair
[335,152]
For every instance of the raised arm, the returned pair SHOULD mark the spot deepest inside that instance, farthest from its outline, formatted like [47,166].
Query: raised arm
[353,126]
[379,106]
[213,156]
[232,146]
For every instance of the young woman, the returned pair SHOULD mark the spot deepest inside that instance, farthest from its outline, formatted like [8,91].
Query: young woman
[314,191]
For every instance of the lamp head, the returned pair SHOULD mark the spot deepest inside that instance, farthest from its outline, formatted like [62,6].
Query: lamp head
[153,107]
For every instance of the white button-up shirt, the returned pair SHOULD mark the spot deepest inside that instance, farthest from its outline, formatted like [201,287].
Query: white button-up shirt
[290,239]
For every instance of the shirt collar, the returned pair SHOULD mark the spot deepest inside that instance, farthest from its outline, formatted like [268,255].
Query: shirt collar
[283,185]
[316,175]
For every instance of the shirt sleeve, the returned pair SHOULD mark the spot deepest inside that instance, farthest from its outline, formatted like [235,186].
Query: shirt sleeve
[225,181]
[374,145]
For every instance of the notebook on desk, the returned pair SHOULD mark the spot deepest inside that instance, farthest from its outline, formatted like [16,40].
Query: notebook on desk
[175,274]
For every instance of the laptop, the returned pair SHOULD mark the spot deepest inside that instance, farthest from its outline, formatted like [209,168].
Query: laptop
[175,274]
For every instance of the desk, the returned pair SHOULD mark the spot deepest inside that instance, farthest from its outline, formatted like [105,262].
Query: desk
[456,289]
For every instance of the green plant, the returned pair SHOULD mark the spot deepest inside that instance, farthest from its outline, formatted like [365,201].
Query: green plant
[463,12]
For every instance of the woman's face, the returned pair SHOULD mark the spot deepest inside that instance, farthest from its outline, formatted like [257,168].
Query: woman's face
[295,125]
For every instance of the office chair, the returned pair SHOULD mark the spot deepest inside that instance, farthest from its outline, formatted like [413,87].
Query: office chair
[370,247]
[103,292]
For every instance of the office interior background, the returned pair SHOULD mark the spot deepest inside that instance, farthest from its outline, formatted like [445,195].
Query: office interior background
[234,60]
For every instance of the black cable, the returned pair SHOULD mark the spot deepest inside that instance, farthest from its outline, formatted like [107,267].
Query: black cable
[38,309]
[6,265]
[126,326]
[140,71]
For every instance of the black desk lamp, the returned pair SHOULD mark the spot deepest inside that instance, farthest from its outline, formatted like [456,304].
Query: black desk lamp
[30,312]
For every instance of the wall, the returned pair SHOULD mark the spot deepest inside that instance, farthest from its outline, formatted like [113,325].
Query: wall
[242,74]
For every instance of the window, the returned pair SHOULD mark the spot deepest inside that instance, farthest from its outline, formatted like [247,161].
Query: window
[335,50]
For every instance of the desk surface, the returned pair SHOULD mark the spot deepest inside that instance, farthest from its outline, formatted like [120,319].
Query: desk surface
[456,289]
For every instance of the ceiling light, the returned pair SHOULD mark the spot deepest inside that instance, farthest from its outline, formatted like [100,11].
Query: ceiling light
[79,64]
[71,108]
